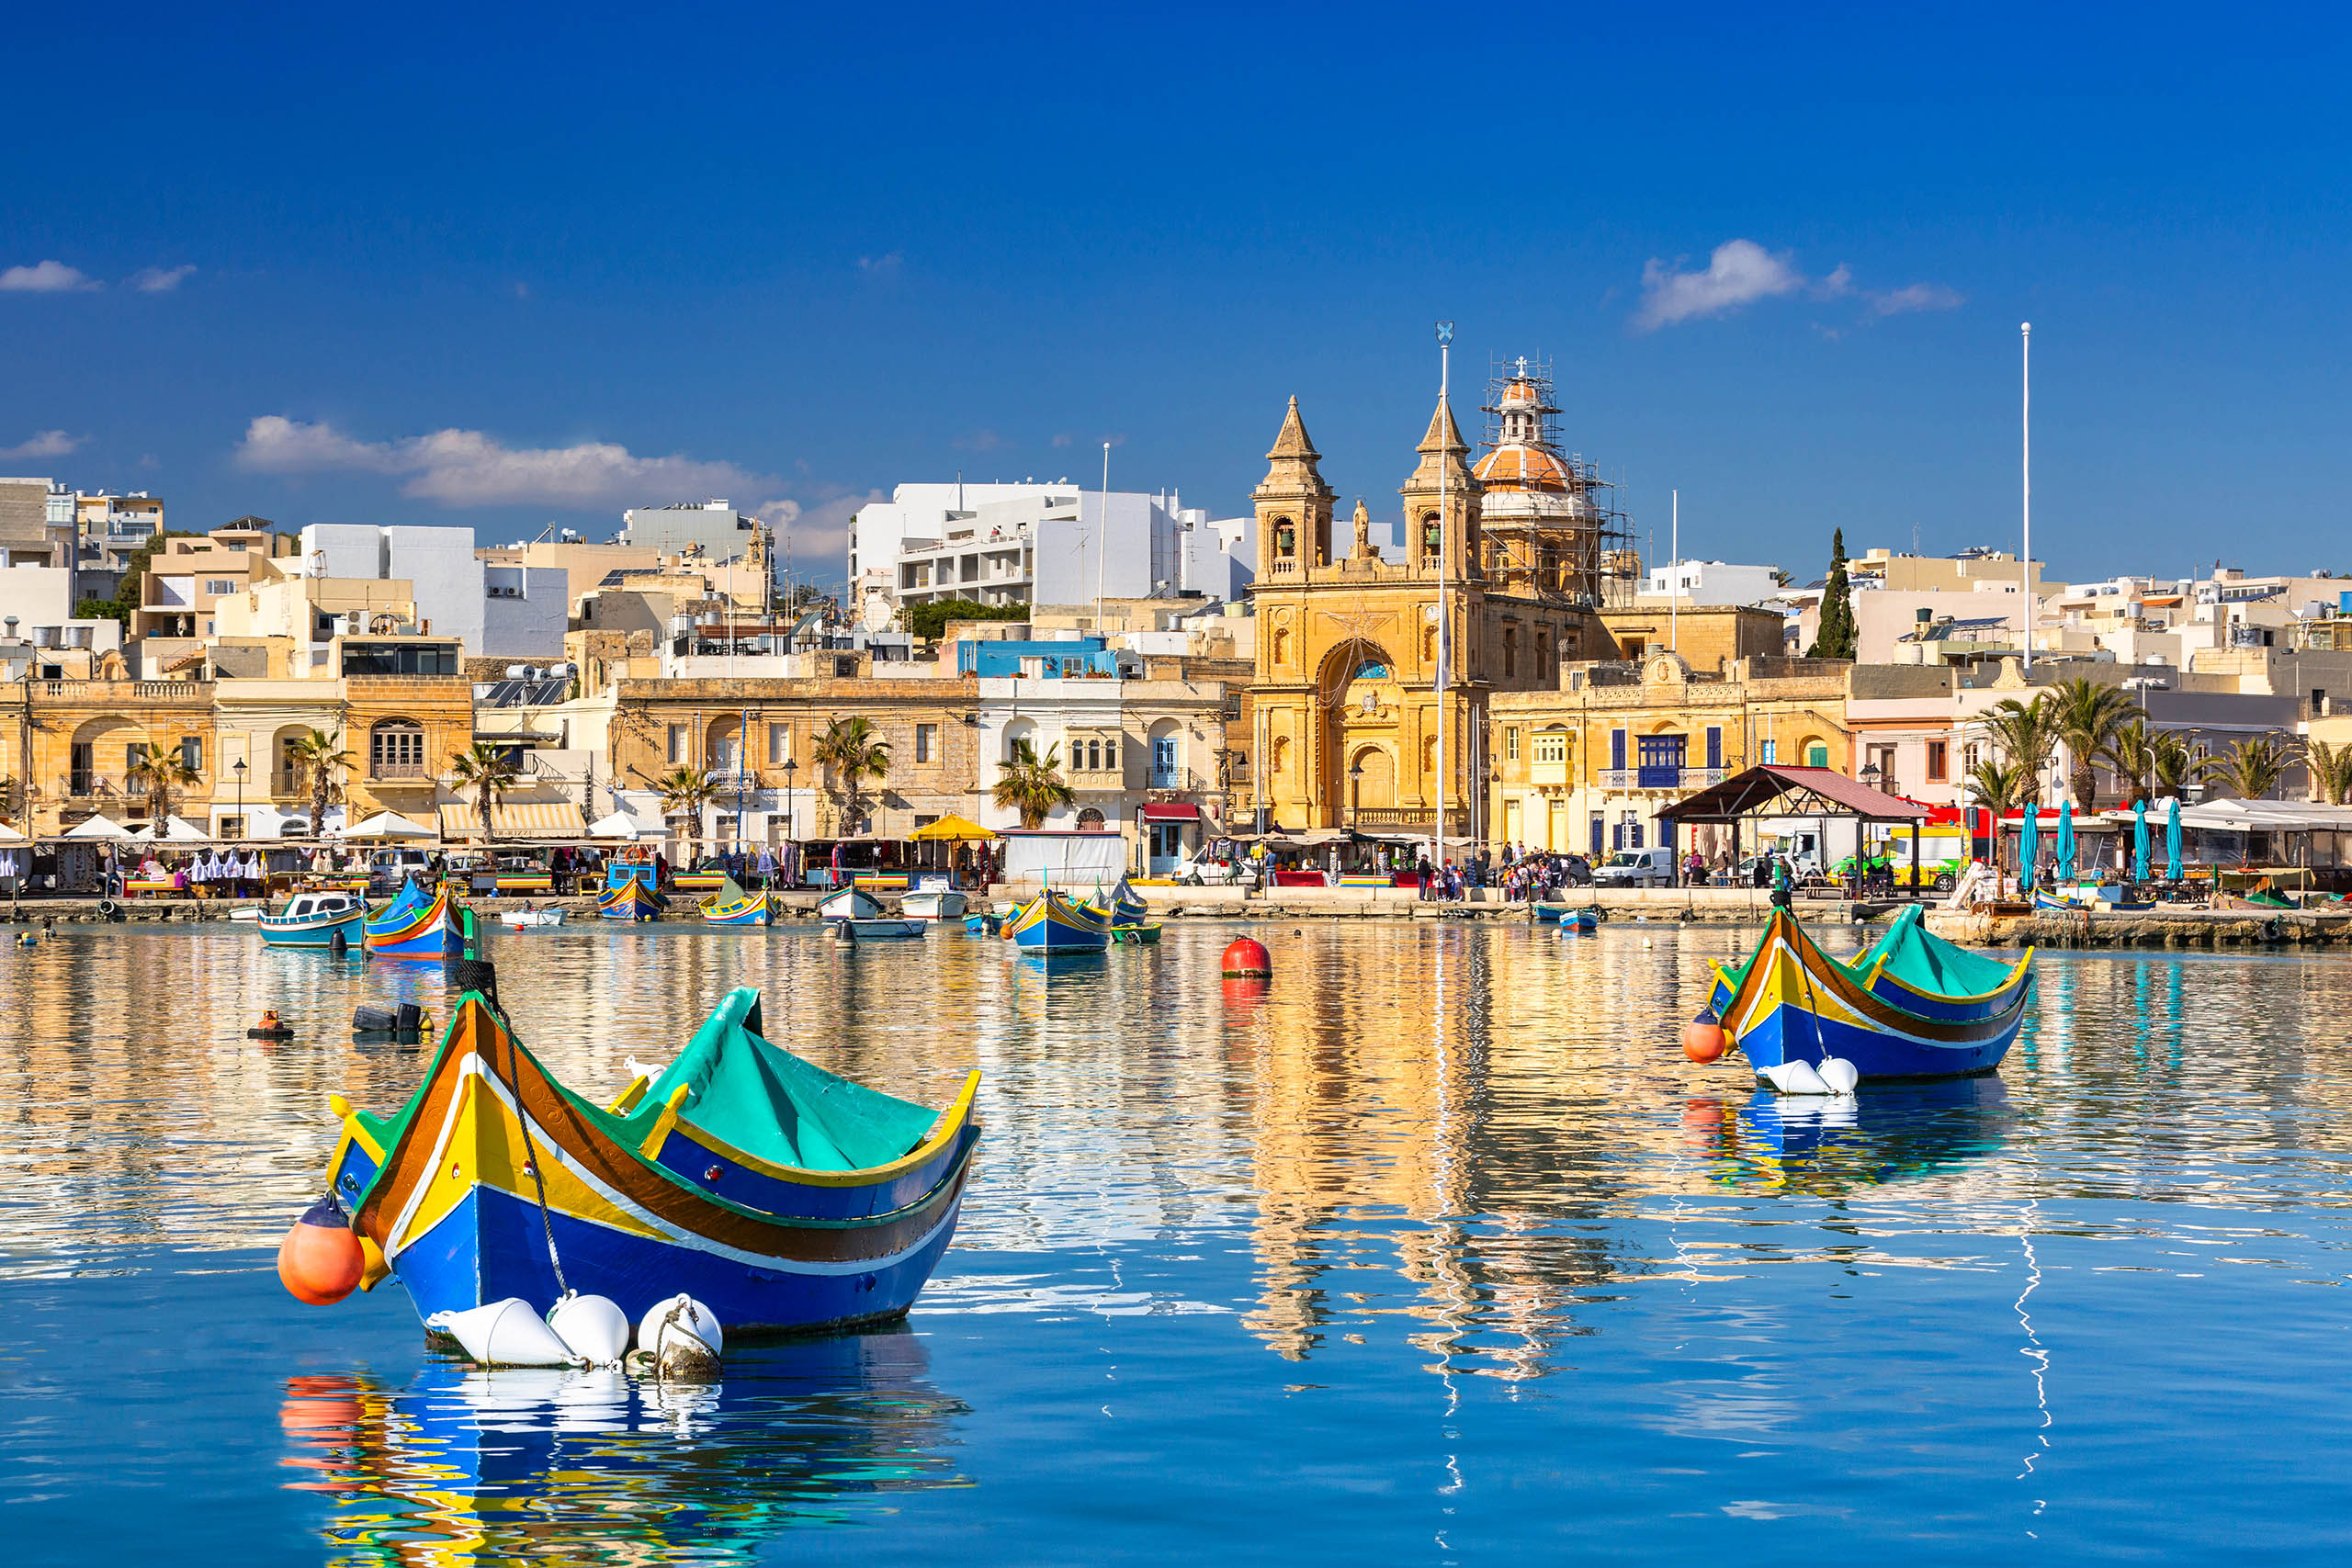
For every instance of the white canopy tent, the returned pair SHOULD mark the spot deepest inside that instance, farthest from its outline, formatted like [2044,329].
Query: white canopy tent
[625,828]
[10,836]
[99,827]
[384,824]
[176,831]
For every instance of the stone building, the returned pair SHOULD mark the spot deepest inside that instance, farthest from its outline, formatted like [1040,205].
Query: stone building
[1347,697]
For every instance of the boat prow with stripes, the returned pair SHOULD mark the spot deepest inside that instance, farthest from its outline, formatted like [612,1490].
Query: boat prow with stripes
[782,1196]
[1053,925]
[1914,1007]
[628,900]
[415,925]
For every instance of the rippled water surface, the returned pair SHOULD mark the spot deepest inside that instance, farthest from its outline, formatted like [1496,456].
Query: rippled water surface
[1436,1252]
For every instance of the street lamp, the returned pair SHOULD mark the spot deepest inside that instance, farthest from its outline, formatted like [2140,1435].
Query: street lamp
[1355,787]
[240,770]
[791,826]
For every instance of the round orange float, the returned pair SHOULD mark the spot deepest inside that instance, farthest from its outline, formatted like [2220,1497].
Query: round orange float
[1703,1039]
[320,1261]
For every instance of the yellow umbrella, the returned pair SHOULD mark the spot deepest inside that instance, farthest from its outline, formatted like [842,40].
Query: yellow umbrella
[952,829]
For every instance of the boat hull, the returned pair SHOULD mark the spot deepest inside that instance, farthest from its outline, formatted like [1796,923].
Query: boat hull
[936,904]
[526,920]
[753,909]
[421,931]
[885,930]
[630,901]
[1050,923]
[462,1206]
[1795,1003]
[314,933]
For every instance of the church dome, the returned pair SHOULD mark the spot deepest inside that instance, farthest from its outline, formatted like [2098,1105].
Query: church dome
[1517,466]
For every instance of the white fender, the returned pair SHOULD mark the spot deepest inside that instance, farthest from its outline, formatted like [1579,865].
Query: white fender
[682,1335]
[1796,1077]
[1839,1075]
[592,1327]
[504,1334]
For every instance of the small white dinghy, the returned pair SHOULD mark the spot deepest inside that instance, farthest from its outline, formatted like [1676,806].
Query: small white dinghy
[526,920]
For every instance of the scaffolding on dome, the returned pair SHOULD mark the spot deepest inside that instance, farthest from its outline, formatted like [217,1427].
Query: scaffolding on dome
[1552,525]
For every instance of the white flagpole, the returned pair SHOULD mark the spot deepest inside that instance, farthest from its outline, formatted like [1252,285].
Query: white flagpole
[1673,579]
[2025,458]
[1445,533]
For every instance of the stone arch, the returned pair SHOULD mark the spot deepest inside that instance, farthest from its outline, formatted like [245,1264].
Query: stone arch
[1018,730]
[722,742]
[98,757]
[279,773]
[1090,820]
[1372,778]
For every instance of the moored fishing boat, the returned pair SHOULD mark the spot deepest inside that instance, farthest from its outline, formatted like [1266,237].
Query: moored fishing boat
[1126,915]
[628,900]
[1050,923]
[849,904]
[528,920]
[731,906]
[780,1196]
[415,925]
[314,919]
[1792,1002]
[933,901]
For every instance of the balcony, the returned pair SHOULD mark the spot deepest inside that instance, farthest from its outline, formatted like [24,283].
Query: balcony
[1171,778]
[1661,776]
[398,772]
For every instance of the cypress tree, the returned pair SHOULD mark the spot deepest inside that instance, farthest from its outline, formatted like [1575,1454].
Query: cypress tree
[1835,637]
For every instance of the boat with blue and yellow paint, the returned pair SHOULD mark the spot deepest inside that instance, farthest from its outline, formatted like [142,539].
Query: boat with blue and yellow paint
[780,1196]
[414,925]
[1053,924]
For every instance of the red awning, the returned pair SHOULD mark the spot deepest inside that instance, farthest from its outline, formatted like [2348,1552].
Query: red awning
[1170,811]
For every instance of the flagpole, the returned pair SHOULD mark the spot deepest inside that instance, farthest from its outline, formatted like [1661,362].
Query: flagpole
[2025,459]
[1444,528]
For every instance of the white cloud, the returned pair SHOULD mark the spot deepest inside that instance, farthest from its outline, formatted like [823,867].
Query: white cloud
[467,468]
[46,444]
[1739,273]
[882,266]
[158,280]
[819,534]
[47,278]
[1916,296]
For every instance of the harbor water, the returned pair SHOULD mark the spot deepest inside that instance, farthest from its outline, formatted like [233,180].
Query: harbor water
[1433,1250]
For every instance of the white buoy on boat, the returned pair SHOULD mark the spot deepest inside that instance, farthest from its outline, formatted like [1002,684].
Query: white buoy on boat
[504,1334]
[682,1337]
[1839,1075]
[1796,1077]
[592,1327]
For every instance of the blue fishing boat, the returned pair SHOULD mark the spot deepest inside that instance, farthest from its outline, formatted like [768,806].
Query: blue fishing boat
[1125,913]
[1578,922]
[1049,923]
[983,922]
[313,920]
[414,925]
[782,1198]
[1792,1002]
[628,900]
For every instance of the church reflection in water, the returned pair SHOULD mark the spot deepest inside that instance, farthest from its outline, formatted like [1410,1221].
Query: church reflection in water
[463,1465]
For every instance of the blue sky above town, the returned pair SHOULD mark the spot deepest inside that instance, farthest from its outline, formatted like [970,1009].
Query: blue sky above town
[503,269]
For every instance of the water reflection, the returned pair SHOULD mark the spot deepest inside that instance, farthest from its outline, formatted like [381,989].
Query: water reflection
[1826,1147]
[466,1466]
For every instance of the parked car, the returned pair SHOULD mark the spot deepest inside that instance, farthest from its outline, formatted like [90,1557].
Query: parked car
[1635,868]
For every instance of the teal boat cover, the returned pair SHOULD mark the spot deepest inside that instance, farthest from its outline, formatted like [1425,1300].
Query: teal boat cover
[1926,962]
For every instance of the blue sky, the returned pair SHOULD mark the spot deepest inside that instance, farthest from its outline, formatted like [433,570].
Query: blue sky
[507,268]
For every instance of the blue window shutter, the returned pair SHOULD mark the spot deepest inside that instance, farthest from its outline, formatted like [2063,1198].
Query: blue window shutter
[1616,747]
[1714,747]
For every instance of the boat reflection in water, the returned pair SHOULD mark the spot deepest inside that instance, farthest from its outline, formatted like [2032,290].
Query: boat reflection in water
[472,1466]
[1828,1143]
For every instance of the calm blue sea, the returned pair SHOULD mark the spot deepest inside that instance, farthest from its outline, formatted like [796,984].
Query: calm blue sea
[1438,1252]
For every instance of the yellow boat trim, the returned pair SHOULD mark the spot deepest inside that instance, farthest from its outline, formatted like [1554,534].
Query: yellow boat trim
[631,1096]
[651,1147]
[942,1133]
[2015,970]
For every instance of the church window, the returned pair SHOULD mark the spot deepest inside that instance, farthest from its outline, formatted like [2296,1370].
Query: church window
[1511,651]
[1510,744]
[1281,646]
[1542,652]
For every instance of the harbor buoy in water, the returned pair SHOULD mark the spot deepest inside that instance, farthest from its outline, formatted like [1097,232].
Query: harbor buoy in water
[592,1327]
[320,1261]
[504,1334]
[682,1337]
[1245,958]
[1796,1077]
[1839,1075]
[270,1028]
[1702,1038]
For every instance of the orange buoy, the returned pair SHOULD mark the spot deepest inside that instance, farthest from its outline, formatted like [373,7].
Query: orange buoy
[1245,958]
[1703,1039]
[320,1261]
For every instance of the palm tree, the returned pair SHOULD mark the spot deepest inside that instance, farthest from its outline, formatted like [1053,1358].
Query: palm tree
[159,770]
[850,752]
[489,771]
[1999,786]
[2253,767]
[1031,784]
[2331,771]
[2133,752]
[2170,765]
[2022,734]
[317,757]
[2085,718]
[687,790]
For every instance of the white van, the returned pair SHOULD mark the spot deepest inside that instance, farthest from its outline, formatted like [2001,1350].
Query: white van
[1635,868]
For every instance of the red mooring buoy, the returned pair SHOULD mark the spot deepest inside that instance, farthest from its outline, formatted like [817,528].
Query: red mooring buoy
[1703,1039]
[1245,958]
[320,1261]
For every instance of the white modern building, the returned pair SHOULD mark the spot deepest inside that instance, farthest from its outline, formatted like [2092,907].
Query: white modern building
[1040,544]
[1698,582]
[720,532]
[495,611]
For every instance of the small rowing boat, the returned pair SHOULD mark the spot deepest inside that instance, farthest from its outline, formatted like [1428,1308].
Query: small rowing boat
[530,920]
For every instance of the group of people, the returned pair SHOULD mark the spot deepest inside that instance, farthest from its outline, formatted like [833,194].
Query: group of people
[236,877]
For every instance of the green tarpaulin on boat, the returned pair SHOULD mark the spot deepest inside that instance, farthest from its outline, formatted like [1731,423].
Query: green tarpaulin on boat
[1926,962]
[767,1101]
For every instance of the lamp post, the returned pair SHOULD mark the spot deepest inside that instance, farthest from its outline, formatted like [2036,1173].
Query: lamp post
[791,824]
[240,770]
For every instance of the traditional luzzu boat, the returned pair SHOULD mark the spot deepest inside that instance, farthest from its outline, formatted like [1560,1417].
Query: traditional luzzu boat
[1912,1007]
[780,1197]
[314,919]
[415,925]
[1127,916]
[1051,924]
[628,900]
[731,906]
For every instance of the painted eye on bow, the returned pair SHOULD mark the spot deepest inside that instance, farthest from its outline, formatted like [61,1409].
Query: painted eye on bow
[711,1174]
